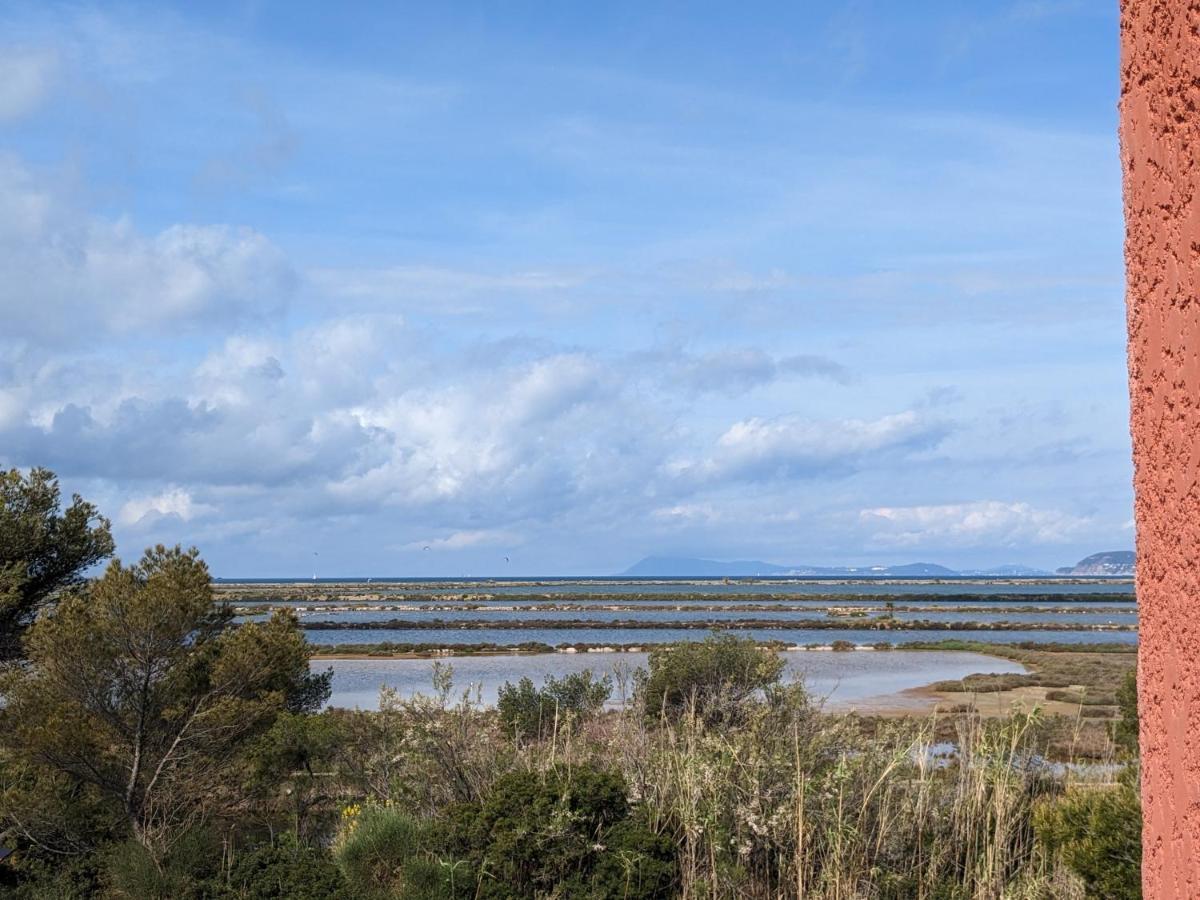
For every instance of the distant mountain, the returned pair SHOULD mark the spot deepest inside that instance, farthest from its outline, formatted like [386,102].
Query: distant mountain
[1008,571]
[918,570]
[679,566]
[682,567]
[1110,562]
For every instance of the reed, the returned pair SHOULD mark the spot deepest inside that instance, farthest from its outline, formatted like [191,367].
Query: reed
[780,799]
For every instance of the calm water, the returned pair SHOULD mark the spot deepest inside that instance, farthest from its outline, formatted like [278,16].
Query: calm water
[798,604]
[797,588]
[1082,617]
[610,636]
[843,679]
[819,588]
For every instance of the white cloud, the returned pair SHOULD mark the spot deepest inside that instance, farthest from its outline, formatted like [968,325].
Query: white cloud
[734,370]
[978,523]
[794,446]
[173,501]
[68,272]
[25,79]
[460,540]
[688,512]
[532,432]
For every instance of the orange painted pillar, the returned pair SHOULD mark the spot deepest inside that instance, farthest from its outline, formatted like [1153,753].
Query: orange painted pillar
[1160,156]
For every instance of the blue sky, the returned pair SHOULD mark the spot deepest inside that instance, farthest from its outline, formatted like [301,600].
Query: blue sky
[568,283]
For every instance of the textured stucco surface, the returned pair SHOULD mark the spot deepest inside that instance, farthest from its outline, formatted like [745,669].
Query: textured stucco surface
[1160,151]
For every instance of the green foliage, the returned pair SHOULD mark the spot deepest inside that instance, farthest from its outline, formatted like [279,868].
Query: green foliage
[532,712]
[565,834]
[382,851]
[196,868]
[142,694]
[1097,834]
[1127,703]
[712,676]
[286,870]
[39,877]
[290,767]
[44,549]
[188,871]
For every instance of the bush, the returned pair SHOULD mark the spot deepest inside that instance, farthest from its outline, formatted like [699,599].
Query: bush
[287,871]
[529,711]
[58,878]
[189,871]
[712,676]
[1127,702]
[1097,834]
[567,835]
[379,848]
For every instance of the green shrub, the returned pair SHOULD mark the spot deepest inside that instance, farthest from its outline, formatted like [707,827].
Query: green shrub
[1097,834]
[1127,702]
[567,835]
[41,878]
[189,871]
[636,863]
[286,870]
[712,676]
[376,847]
[533,712]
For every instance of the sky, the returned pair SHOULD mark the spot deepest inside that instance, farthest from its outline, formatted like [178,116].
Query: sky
[399,289]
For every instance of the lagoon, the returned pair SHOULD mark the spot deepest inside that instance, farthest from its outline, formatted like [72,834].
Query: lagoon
[624,636]
[851,679]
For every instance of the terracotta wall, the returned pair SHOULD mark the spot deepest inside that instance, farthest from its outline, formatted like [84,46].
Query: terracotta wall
[1160,154]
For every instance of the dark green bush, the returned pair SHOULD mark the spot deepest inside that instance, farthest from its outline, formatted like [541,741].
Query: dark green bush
[712,676]
[567,835]
[189,871]
[286,870]
[379,848]
[1098,835]
[536,712]
[58,878]
[1127,702]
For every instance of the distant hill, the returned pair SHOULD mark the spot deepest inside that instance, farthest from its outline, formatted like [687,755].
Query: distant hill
[1008,571]
[679,566]
[917,570]
[1110,562]
[682,567]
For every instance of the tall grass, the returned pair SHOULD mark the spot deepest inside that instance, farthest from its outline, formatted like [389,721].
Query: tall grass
[780,800]
[793,804]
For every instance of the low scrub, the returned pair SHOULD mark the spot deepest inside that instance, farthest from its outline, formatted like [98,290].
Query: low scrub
[384,852]
[1097,834]
[527,711]
[710,678]
[560,833]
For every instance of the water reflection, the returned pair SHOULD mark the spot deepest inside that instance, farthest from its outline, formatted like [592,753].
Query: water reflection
[855,678]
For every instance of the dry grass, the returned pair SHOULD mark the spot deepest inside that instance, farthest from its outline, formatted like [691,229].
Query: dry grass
[781,800]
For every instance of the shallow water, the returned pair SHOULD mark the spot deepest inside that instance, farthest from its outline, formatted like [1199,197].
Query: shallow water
[733,604]
[815,588]
[584,591]
[611,636]
[859,678]
[931,614]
